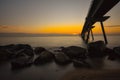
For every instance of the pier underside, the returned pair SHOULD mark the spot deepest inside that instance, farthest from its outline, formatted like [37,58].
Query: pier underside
[96,13]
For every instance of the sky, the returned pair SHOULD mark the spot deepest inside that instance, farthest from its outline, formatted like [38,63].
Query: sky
[51,16]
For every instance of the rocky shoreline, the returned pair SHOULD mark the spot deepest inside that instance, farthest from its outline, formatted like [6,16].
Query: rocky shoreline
[22,55]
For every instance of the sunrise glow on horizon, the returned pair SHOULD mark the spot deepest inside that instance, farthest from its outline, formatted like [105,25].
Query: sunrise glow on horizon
[51,17]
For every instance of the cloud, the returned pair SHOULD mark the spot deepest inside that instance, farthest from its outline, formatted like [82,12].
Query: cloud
[3,26]
[113,26]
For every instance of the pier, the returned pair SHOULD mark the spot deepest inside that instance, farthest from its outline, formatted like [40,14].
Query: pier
[96,13]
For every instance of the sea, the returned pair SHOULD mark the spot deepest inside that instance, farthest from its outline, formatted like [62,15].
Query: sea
[53,71]
[58,41]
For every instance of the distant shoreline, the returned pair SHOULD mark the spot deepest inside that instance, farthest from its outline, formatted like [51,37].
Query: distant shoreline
[44,35]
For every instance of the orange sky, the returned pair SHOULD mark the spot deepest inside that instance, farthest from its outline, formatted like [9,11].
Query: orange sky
[108,29]
[61,29]
[56,17]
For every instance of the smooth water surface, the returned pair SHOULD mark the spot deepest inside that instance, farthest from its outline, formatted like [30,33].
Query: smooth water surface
[52,71]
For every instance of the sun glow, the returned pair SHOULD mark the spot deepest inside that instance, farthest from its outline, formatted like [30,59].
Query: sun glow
[57,29]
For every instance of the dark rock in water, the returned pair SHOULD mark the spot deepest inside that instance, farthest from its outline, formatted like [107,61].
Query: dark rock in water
[79,63]
[61,58]
[14,51]
[9,47]
[21,62]
[25,49]
[20,53]
[22,46]
[29,52]
[4,54]
[44,57]
[62,47]
[75,52]
[23,52]
[23,56]
[38,50]
[117,50]
[96,49]
[110,53]
[115,53]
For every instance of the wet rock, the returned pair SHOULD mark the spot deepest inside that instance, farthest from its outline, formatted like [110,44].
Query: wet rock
[117,50]
[21,62]
[14,51]
[44,57]
[23,46]
[80,63]
[96,49]
[61,58]
[110,53]
[8,47]
[23,52]
[75,52]
[115,54]
[4,54]
[29,52]
[38,50]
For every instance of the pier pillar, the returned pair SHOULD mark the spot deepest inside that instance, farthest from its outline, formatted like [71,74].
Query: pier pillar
[88,36]
[92,34]
[104,34]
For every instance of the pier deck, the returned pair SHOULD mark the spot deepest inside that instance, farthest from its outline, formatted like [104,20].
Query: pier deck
[96,13]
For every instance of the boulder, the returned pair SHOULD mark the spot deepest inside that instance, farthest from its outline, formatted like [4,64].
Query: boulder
[96,49]
[44,57]
[61,58]
[38,50]
[117,50]
[4,54]
[29,52]
[75,52]
[22,46]
[21,62]
[115,53]
[79,63]
[14,51]
[9,47]
[110,53]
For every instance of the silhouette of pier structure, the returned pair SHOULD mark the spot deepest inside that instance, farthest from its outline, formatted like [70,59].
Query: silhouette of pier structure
[96,13]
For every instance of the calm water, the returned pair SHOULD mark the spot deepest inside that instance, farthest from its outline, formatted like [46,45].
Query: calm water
[44,41]
[56,41]
[52,71]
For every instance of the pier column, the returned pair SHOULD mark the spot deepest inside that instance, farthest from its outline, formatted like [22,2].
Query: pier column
[88,36]
[105,38]
[92,34]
